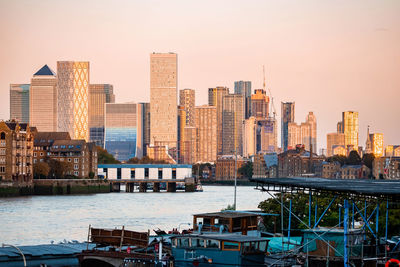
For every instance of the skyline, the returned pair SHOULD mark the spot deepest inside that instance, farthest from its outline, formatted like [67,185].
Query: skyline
[295,45]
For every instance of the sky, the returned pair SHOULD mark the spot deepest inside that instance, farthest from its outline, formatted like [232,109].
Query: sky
[327,56]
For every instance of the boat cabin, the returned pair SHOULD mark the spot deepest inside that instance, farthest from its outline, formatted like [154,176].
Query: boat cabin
[216,249]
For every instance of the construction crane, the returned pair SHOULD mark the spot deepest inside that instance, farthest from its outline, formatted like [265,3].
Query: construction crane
[273,110]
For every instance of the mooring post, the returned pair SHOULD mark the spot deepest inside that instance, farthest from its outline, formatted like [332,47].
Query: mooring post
[345,230]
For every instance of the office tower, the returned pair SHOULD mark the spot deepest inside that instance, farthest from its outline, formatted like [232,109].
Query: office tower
[187,101]
[244,88]
[181,132]
[232,130]
[145,122]
[287,117]
[43,100]
[334,140]
[190,145]
[215,97]
[267,135]
[259,104]
[250,137]
[73,98]
[206,124]
[99,94]
[121,130]
[350,129]
[374,144]
[294,135]
[340,127]
[163,99]
[19,102]
[311,120]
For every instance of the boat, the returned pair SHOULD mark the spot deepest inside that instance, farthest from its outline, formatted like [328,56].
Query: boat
[198,188]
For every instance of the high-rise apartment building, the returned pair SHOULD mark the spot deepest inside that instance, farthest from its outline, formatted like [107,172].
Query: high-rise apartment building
[19,102]
[267,135]
[294,135]
[244,88]
[304,133]
[121,130]
[163,99]
[99,94]
[206,124]
[43,100]
[259,104]
[145,122]
[334,140]
[181,133]
[287,117]
[73,98]
[374,144]
[350,129]
[187,101]
[215,97]
[311,120]
[250,137]
[232,130]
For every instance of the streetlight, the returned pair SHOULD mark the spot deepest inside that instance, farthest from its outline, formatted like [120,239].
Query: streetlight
[23,256]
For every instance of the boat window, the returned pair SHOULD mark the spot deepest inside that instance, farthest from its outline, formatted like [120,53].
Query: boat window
[212,243]
[254,247]
[183,242]
[230,246]
[197,242]
[262,246]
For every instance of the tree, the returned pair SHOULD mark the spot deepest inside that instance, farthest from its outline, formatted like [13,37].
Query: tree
[91,175]
[353,158]
[199,167]
[337,158]
[103,157]
[246,169]
[59,169]
[40,170]
[368,160]
[145,160]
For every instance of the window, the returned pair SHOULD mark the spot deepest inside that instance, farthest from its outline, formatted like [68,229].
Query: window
[183,242]
[76,160]
[2,169]
[35,160]
[174,173]
[146,172]
[2,151]
[2,160]
[197,242]
[133,173]
[160,173]
[2,136]
[76,173]
[119,173]
[41,154]
[212,243]
[230,245]
[69,160]
[2,143]
[76,167]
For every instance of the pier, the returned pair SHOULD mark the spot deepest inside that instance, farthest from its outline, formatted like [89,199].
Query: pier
[153,185]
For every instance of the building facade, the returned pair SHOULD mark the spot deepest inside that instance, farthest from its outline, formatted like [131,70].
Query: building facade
[374,144]
[250,137]
[225,168]
[145,122]
[354,172]
[392,151]
[187,101]
[190,145]
[267,135]
[99,95]
[19,102]
[16,147]
[206,124]
[215,98]
[121,130]
[334,140]
[350,128]
[386,167]
[298,162]
[244,88]
[163,99]
[260,104]
[73,98]
[287,113]
[265,165]
[43,100]
[232,130]
[328,170]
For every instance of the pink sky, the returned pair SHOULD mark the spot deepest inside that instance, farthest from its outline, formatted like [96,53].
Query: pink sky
[327,56]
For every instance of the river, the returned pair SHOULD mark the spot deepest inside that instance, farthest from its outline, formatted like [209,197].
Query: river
[42,219]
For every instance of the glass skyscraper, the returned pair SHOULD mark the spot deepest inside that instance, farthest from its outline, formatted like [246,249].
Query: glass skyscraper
[121,130]
[19,102]
[287,117]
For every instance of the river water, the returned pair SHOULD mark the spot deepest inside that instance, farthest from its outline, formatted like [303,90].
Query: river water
[42,219]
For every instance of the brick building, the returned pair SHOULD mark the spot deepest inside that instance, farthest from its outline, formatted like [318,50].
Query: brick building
[265,165]
[225,167]
[386,168]
[354,172]
[297,162]
[328,170]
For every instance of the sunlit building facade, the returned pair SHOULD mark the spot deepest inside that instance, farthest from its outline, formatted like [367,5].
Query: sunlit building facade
[19,102]
[206,125]
[187,101]
[181,132]
[259,104]
[121,130]
[215,97]
[163,99]
[310,139]
[392,151]
[250,137]
[145,122]
[73,98]
[287,116]
[244,88]
[267,135]
[99,94]
[334,140]
[43,100]
[232,130]
[350,128]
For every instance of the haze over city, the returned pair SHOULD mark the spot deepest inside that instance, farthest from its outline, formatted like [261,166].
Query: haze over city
[327,57]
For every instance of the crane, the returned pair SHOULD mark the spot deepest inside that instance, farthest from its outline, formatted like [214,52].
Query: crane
[273,110]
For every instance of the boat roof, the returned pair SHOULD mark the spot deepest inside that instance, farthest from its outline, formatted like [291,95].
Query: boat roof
[232,214]
[226,237]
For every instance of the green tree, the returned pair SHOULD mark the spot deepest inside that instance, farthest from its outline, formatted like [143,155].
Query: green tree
[246,169]
[59,169]
[40,170]
[353,158]
[91,175]
[368,160]
[103,157]
[337,158]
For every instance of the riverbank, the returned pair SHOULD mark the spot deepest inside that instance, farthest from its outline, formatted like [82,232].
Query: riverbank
[54,187]
[241,182]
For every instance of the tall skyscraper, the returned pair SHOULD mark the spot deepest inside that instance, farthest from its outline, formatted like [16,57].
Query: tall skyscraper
[259,104]
[267,135]
[99,94]
[73,98]
[163,99]
[287,117]
[312,137]
[19,102]
[244,88]
[187,101]
[374,144]
[250,137]
[215,97]
[294,135]
[121,130]
[43,100]
[206,124]
[334,140]
[190,145]
[350,129]
[145,122]
[181,132]
[232,130]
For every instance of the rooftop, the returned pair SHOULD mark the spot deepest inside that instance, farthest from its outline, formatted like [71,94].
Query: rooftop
[45,71]
[227,237]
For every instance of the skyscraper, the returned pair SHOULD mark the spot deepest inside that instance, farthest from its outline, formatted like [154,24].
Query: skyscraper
[145,122]
[215,97]
[232,118]
[19,102]
[250,137]
[73,98]
[294,135]
[43,100]
[99,94]
[312,121]
[350,129]
[181,132]
[287,117]
[163,99]
[259,104]
[187,101]
[244,88]
[267,135]
[374,144]
[206,124]
[121,130]
[334,140]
